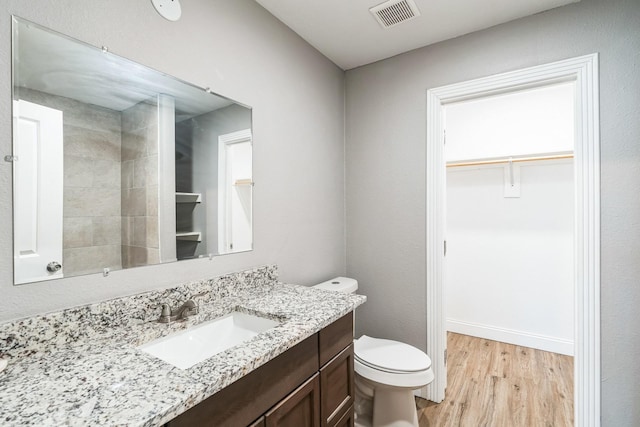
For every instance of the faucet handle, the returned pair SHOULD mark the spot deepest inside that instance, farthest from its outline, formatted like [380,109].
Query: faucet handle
[197,296]
[165,315]
[166,310]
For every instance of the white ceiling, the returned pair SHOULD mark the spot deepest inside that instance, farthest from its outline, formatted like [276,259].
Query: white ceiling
[348,34]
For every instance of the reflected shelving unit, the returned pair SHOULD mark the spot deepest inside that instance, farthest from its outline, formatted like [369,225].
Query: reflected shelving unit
[186,238]
[188,198]
[190,236]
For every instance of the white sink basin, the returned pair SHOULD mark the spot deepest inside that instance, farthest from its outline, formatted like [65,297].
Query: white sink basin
[186,348]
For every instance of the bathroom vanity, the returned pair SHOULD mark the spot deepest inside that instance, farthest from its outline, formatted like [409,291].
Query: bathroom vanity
[311,384]
[83,366]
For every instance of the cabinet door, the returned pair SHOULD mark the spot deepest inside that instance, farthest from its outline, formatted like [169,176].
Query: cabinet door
[300,409]
[337,387]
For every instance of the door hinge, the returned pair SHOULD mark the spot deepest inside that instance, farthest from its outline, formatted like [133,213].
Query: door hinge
[445,357]
[445,248]
[10,158]
[444,137]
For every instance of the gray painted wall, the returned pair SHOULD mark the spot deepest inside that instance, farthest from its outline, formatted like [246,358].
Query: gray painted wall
[385,164]
[240,51]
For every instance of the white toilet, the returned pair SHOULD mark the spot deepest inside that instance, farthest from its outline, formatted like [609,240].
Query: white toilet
[387,373]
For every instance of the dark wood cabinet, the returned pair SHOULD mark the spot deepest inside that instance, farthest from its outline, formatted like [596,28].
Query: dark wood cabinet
[335,338]
[347,419]
[337,387]
[245,400]
[258,423]
[300,409]
[311,384]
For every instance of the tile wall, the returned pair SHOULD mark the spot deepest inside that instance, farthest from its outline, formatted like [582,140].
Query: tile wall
[140,243]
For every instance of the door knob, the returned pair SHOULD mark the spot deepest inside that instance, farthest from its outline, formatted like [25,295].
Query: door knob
[53,267]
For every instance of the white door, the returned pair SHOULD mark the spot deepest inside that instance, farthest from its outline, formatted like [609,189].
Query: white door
[37,191]
[239,161]
[235,190]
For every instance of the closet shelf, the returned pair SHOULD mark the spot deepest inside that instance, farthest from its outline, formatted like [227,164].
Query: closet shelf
[242,182]
[514,159]
[191,236]
[188,198]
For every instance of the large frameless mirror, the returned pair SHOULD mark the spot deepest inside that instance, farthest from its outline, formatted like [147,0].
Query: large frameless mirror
[116,165]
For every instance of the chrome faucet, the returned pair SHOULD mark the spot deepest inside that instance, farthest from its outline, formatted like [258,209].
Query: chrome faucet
[186,310]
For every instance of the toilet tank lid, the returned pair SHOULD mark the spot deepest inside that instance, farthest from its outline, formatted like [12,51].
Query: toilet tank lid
[340,284]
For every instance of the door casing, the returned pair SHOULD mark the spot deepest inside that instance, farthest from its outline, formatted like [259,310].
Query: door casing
[584,72]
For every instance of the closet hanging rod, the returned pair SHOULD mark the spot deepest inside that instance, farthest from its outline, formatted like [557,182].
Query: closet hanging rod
[510,159]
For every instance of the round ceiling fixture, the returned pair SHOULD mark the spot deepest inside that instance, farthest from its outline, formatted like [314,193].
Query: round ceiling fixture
[169,9]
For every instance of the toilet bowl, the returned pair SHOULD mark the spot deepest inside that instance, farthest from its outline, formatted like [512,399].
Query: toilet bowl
[387,373]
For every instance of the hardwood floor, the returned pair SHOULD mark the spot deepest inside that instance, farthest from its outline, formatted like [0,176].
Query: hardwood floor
[494,384]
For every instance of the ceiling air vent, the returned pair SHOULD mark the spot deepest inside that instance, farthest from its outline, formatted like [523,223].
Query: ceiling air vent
[393,12]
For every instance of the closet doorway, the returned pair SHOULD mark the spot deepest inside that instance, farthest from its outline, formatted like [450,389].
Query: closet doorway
[508,270]
[583,72]
[510,215]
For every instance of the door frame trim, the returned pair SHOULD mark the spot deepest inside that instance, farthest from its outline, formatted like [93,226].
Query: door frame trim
[584,72]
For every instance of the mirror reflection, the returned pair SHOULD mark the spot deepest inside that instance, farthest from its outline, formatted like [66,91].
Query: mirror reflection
[119,166]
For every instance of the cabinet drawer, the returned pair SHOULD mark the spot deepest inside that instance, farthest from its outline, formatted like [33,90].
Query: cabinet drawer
[335,337]
[251,396]
[300,409]
[337,387]
[347,420]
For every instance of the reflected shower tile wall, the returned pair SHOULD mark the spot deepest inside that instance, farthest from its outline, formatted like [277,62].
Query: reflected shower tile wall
[139,181]
[92,175]
[91,202]
[82,142]
[77,232]
[134,202]
[92,259]
[106,230]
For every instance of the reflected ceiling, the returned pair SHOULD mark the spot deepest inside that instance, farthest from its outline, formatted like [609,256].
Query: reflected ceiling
[82,72]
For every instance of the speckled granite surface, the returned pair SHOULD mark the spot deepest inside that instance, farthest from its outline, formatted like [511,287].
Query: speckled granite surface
[81,367]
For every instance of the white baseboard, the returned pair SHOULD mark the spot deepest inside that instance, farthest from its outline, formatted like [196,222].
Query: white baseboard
[525,339]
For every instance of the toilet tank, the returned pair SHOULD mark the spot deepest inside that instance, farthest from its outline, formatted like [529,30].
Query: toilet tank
[340,284]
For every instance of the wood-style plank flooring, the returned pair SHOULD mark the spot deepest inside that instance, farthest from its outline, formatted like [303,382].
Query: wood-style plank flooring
[493,384]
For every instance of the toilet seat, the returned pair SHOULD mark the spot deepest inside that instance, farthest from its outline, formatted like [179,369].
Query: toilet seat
[383,369]
[391,363]
[390,356]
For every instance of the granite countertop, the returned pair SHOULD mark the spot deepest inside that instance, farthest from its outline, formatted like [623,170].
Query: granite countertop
[81,367]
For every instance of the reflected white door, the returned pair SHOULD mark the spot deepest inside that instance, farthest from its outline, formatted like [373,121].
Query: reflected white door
[235,192]
[37,191]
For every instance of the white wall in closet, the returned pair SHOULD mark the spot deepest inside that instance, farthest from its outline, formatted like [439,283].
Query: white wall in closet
[514,124]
